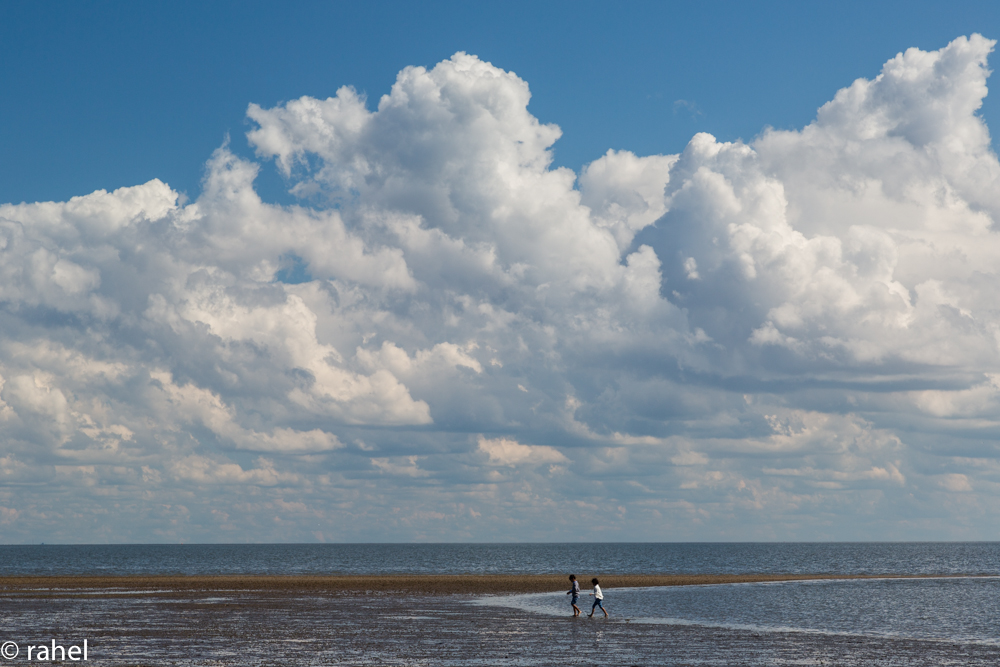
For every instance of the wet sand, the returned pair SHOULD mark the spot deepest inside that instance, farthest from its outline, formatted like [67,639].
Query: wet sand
[403,620]
[419,584]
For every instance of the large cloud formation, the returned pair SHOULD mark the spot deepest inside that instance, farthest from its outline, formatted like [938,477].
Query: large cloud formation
[795,338]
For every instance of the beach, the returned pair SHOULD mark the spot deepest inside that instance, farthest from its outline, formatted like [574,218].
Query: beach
[404,620]
[411,584]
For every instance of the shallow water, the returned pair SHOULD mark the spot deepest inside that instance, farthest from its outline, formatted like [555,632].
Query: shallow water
[189,629]
[619,558]
[194,630]
[852,622]
[963,610]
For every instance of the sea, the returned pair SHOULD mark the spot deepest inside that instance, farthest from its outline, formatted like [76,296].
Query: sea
[955,599]
[839,558]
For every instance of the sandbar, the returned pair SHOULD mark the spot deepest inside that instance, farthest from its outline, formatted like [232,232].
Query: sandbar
[412,584]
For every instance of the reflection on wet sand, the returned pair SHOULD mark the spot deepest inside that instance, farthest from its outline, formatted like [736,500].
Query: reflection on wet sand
[226,621]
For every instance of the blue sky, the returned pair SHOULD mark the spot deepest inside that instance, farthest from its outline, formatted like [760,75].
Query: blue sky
[474,272]
[108,94]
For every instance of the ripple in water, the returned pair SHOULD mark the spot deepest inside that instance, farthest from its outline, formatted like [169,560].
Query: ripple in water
[964,610]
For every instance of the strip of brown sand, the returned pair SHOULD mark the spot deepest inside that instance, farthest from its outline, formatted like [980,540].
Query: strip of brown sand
[429,584]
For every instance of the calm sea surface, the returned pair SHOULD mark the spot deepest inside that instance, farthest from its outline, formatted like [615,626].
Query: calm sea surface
[621,558]
[958,610]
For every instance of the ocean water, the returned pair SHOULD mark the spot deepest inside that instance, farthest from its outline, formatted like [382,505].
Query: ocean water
[960,610]
[619,558]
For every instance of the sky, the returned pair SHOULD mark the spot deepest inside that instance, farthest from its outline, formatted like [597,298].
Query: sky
[498,272]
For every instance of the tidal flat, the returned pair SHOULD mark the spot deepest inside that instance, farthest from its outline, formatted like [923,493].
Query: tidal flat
[406,620]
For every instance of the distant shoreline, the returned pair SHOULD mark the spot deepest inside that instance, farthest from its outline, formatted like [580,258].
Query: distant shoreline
[423,584]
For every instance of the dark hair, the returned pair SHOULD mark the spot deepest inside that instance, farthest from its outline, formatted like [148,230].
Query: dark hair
[572,577]
[594,581]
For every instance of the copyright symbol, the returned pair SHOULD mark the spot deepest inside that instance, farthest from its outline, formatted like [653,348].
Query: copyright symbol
[9,650]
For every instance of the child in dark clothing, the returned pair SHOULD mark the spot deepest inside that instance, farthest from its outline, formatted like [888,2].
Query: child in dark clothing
[575,592]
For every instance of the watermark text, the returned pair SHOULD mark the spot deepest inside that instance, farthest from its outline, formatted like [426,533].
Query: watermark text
[52,652]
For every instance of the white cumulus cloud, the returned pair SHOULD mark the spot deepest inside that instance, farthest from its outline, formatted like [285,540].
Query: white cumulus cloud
[793,337]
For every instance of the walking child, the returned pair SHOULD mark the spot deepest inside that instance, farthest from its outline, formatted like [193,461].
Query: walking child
[598,598]
[575,592]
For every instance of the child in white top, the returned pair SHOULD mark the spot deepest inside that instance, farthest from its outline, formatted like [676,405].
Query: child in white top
[598,598]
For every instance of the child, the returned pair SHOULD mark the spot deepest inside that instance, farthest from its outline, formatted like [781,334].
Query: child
[575,592]
[598,599]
